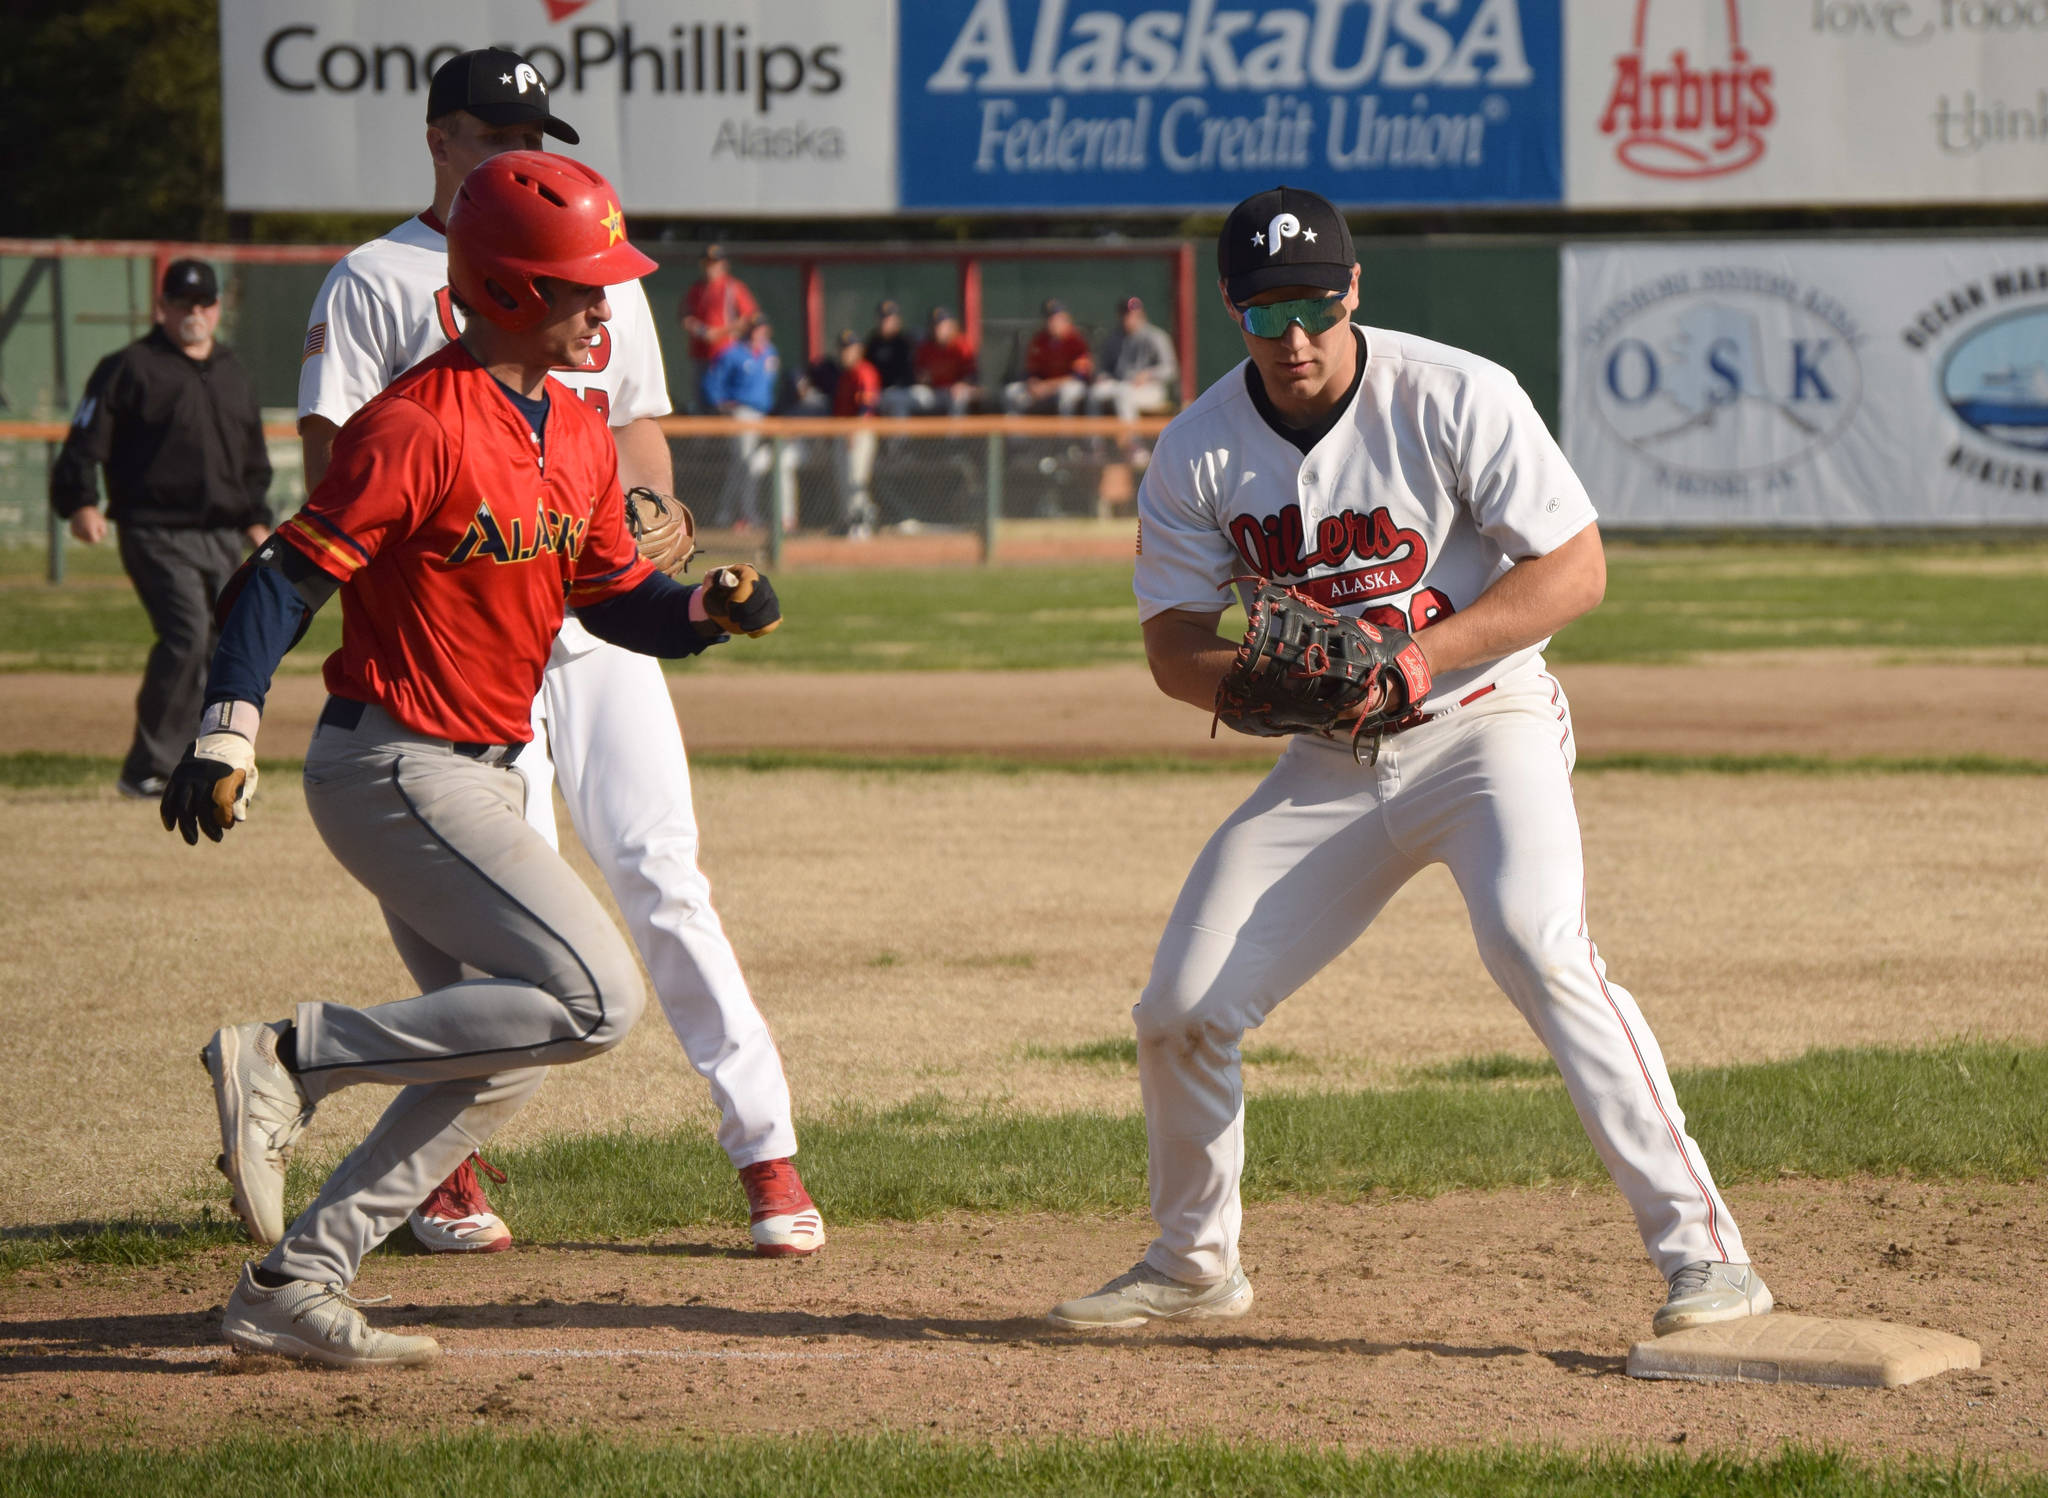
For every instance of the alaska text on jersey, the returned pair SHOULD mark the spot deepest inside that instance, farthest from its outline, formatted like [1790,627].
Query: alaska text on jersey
[555,532]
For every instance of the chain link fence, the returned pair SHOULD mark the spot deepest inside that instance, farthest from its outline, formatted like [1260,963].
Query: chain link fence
[802,490]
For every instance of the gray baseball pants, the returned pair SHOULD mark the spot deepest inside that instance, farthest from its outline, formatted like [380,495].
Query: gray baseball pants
[519,965]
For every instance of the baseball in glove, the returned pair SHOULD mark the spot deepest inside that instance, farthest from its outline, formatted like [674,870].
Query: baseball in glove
[663,528]
[1303,668]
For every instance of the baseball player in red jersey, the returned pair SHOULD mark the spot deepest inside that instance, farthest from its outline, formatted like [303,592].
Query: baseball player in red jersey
[604,729]
[462,507]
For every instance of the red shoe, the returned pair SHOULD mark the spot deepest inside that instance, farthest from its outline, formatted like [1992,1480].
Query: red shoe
[456,1217]
[785,1224]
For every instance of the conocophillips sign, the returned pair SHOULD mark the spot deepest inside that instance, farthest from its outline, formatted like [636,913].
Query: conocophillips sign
[690,105]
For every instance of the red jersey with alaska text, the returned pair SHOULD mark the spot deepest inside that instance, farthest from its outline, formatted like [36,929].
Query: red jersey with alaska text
[459,546]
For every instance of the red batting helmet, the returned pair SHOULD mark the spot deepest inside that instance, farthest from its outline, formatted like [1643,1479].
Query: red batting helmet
[525,214]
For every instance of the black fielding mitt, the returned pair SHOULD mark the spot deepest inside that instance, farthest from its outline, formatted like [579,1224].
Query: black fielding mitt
[1303,668]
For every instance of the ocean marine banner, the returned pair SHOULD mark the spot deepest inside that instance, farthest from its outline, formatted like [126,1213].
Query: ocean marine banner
[1020,105]
[1809,383]
[1731,102]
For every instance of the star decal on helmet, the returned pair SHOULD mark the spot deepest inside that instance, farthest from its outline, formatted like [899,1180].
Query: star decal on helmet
[614,223]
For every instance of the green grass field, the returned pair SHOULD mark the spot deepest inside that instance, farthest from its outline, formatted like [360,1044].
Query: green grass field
[897,1467]
[1965,1111]
[1663,604]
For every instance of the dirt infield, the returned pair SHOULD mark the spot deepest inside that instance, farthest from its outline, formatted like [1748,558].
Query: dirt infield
[1470,1319]
[1838,705]
[932,929]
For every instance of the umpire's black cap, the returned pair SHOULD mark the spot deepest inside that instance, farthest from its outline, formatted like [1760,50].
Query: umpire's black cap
[498,87]
[190,281]
[1288,236]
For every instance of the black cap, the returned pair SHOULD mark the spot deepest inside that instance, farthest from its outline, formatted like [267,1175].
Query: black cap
[847,338]
[939,315]
[1286,237]
[498,87]
[887,308]
[190,281]
[1052,307]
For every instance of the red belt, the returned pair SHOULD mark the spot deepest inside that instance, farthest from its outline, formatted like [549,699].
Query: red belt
[1416,719]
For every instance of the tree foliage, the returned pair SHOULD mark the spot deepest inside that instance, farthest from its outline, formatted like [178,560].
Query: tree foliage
[111,114]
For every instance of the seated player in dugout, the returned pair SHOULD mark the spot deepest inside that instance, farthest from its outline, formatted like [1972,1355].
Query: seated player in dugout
[463,505]
[1412,488]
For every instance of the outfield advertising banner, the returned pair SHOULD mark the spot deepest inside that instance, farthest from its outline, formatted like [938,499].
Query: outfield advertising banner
[1809,383]
[1038,104]
[1733,102]
[689,106]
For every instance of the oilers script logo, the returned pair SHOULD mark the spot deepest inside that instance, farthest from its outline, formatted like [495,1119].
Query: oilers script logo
[1687,99]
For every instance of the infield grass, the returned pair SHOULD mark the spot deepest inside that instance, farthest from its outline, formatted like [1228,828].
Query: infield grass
[1664,603]
[1961,1111]
[38,770]
[509,1466]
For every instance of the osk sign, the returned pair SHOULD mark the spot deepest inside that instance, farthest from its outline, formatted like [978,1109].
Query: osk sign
[1723,378]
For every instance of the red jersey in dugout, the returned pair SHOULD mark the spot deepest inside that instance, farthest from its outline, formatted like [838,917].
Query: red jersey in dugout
[458,546]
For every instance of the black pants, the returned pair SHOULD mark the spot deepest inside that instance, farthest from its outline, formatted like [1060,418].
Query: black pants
[177,574]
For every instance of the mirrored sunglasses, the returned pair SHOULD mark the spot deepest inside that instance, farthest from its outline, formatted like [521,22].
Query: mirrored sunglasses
[1315,314]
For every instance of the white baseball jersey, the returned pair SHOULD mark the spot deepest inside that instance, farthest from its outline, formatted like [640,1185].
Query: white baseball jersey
[385,306]
[1436,479]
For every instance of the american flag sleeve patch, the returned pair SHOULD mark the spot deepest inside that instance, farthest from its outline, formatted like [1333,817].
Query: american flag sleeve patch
[316,341]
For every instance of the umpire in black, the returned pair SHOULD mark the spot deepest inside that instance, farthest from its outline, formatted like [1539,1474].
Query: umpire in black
[173,420]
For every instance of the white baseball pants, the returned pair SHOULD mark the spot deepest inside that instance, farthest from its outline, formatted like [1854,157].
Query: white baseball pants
[605,720]
[1297,873]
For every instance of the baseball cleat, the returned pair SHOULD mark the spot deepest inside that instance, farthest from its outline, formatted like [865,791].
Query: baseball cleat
[317,1324]
[783,1221]
[1144,1295]
[456,1217]
[262,1111]
[1706,1291]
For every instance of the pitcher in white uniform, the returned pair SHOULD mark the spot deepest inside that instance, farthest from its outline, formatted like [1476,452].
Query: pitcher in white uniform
[1413,484]
[603,722]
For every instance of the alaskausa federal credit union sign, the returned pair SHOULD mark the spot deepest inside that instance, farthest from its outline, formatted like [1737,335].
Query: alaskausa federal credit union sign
[1197,103]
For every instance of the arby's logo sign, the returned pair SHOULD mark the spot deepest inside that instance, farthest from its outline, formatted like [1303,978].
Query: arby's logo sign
[1687,99]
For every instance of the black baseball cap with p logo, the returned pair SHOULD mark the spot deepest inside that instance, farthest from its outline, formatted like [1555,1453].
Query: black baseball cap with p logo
[1288,236]
[498,87]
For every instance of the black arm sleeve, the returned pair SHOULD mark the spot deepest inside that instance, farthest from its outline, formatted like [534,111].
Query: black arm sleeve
[653,619]
[263,613]
[74,477]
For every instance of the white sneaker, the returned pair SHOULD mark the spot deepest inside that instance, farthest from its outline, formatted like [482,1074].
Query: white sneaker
[318,1324]
[1143,1294]
[1706,1291]
[262,1110]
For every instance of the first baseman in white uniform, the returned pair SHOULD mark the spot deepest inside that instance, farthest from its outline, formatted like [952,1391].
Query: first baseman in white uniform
[603,722]
[1413,485]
